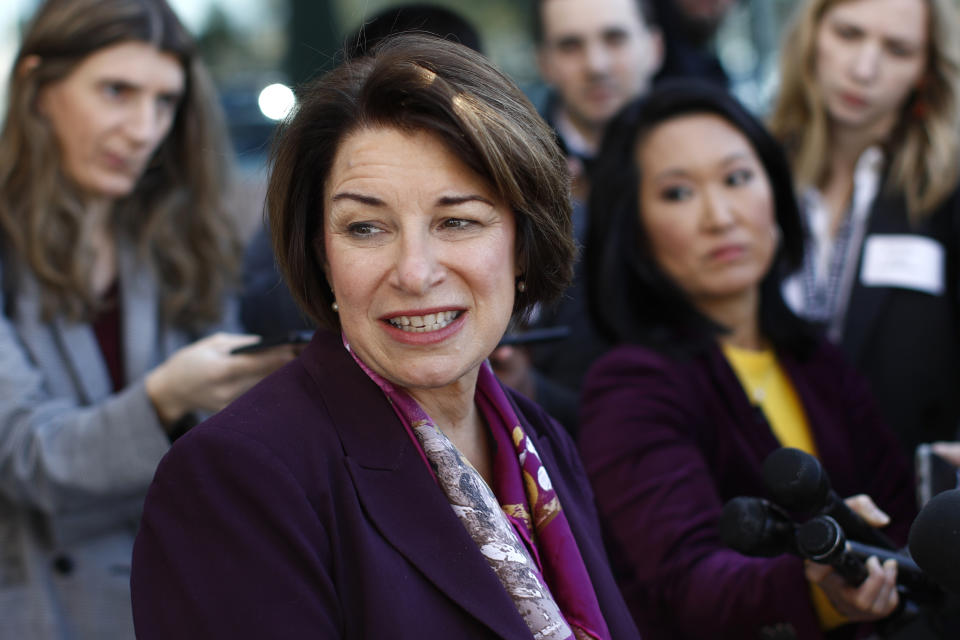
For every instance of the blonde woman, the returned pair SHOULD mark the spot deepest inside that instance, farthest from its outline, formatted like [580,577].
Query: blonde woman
[868,111]
[117,255]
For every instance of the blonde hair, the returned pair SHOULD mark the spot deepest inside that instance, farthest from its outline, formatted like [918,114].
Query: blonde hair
[925,144]
[176,213]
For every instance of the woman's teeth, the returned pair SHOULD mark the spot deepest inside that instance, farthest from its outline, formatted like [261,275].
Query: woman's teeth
[423,324]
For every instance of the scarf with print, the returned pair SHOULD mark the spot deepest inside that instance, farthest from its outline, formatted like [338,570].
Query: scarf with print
[524,536]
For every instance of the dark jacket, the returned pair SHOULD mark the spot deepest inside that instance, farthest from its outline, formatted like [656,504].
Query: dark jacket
[303,510]
[907,342]
[667,441]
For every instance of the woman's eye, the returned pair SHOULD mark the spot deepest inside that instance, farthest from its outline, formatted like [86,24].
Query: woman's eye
[362,229]
[114,89]
[739,177]
[846,32]
[456,223]
[899,50]
[168,102]
[676,194]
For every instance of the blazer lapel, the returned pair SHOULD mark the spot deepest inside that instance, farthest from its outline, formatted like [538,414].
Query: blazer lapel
[139,311]
[399,493]
[745,416]
[864,305]
[829,437]
[67,352]
[83,354]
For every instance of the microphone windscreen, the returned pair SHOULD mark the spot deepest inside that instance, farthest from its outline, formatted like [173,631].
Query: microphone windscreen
[754,527]
[934,541]
[796,480]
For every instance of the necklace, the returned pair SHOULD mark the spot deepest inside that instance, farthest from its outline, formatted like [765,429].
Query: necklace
[755,370]
[758,388]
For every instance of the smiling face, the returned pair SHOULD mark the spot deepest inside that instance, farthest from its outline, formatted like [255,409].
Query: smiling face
[598,54]
[420,256]
[707,207]
[870,56]
[111,113]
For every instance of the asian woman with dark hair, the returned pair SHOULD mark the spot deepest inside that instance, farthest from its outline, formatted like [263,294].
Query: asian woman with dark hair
[695,226]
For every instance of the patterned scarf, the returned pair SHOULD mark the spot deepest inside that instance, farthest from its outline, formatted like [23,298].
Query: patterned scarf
[528,549]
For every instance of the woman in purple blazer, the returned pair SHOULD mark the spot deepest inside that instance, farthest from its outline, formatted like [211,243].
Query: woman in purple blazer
[695,215]
[385,484]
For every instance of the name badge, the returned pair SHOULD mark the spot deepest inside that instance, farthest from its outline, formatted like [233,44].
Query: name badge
[904,261]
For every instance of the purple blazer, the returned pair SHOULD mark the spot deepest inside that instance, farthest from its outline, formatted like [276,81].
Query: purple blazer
[667,442]
[303,510]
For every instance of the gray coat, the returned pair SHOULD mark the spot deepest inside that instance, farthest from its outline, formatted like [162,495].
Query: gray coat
[75,461]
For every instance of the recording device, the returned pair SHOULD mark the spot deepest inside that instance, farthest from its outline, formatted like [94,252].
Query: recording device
[821,539]
[934,540]
[546,334]
[798,482]
[757,527]
[274,340]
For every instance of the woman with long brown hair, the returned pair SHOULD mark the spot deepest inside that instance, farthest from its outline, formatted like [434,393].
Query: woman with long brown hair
[869,110]
[116,255]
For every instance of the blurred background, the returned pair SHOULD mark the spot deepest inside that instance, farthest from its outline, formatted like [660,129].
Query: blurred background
[257,49]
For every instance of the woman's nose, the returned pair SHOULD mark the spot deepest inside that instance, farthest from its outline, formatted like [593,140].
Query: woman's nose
[143,124]
[718,210]
[418,268]
[866,62]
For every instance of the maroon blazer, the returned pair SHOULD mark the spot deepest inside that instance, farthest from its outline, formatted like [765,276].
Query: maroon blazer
[303,510]
[667,441]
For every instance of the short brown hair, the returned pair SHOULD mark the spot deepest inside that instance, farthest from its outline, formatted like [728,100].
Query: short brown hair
[422,83]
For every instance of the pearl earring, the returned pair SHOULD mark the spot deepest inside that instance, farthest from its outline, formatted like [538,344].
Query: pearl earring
[335,307]
[521,286]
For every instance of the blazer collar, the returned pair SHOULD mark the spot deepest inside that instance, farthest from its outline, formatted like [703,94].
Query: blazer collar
[398,492]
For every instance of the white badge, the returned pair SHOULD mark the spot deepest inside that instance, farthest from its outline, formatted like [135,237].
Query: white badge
[905,261]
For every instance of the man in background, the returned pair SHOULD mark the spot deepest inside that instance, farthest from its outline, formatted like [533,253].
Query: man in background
[689,30]
[596,56]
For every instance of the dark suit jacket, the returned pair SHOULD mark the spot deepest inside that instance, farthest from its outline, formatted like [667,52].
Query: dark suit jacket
[667,441]
[906,342]
[303,510]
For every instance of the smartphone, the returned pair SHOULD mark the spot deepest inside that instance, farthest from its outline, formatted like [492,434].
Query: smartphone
[934,474]
[274,340]
[546,334]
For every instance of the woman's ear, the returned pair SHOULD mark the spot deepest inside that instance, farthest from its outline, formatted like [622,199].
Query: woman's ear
[27,65]
[321,256]
[520,260]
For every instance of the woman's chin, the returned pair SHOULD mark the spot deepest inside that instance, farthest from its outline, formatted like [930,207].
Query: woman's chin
[430,375]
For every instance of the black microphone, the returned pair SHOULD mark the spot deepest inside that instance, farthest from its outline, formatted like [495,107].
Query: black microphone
[934,539]
[798,482]
[756,527]
[821,539]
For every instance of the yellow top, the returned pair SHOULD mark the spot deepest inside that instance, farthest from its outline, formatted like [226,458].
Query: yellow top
[767,386]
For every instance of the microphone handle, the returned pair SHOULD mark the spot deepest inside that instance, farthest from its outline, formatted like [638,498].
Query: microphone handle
[921,588]
[855,527]
[822,539]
